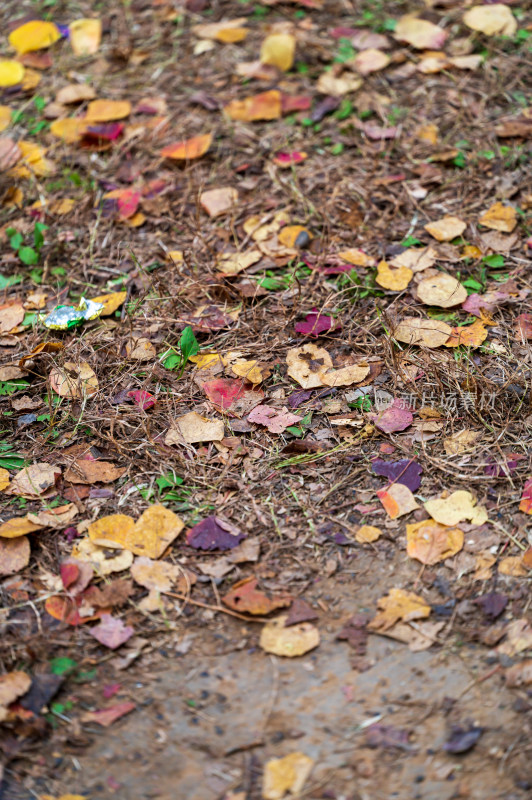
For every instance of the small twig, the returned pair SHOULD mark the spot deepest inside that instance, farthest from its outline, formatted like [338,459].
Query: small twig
[186,599]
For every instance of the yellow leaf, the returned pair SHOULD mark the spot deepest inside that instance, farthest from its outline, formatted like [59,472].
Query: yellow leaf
[233,263]
[471,251]
[34,35]
[283,775]
[468,335]
[85,36]
[189,148]
[17,526]
[307,363]
[499,217]
[428,332]
[367,533]
[460,442]
[33,161]
[491,20]
[207,360]
[107,110]
[231,35]
[31,80]
[419,33]
[70,129]
[102,559]
[514,567]
[441,290]
[176,256]
[428,133]
[5,117]
[149,536]
[345,376]
[430,542]
[111,302]
[455,508]
[337,86]
[446,228]
[263,106]
[398,605]
[289,235]
[248,370]
[356,257]
[296,640]
[4,479]
[11,73]
[278,50]
[395,279]
[112,531]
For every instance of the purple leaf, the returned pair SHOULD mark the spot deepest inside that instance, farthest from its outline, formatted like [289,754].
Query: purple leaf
[297,398]
[213,533]
[111,631]
[315,324]
[324,107]
[498,470]
[387,736]
[405,471]
[396,417]
[492,604]
[462,739]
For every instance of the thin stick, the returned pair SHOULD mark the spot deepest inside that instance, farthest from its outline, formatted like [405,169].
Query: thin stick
[214,608]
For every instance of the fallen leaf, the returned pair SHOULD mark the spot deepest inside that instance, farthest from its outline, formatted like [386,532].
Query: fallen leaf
[192,427]
[275,420]
[345,376]
[33,481]
[85,36]
[245,596]
[460,442]
[518,638]
[415,258]
[34,35]
[12,685]
[315,324]
[499,217]
[367,533]
[213,30]
[14,554]
[5,118]
[144,400]
[378,735]
[397,417]
[468,335]
[396,279]
[11,73]
[104,717]
[155,575]
[430,542]
[427,332]
[513,566]
[233,263]
[17,526]
[264,106]
[294,236]
[103,560]
[249,370]
[75,93]
[11,315]
[398,605]
[405,471]
[525,504]
[457,507]
[519,674]
[461,740]
[217,202]
[54,517]
[73,380]
[293,641]
[338,85]
[441,290]
[285,775]
[282,159]
[232,396]
[111,302]
[523,326]
[150,535]
[107,110]
[306,365]
[397,499]
[419,33]
[491,20]
[140,349]
[370,60]
[75,575]
[88,471]
[111,632]
[356,257]
[446,228]
[278,50]
[213,533]
[10,153]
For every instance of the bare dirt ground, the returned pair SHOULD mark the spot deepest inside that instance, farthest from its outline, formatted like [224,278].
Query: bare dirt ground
[131,666]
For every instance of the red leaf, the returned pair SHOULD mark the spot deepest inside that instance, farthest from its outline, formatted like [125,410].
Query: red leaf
[526,498]
[143,400]
[109,715]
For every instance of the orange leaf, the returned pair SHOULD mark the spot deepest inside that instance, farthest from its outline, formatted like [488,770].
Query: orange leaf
[468,335]
[189,148]
[245,596]
[107,110]
[430,542]
[263,106]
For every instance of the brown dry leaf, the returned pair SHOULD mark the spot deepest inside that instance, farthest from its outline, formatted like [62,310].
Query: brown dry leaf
[103,560]
[417,635]
[107,110]
[74,381]
[491,20]
[337,86]
[415,258]
[54,517]
[33,481]
[75,93]
[212,30]
[111,302]
[14,555]
[290,642]
[460,442]
[17,526]
[217,202]
[367,533]
[419,33]
[468,335]
[441,290]
[140,349]
[427,332]
[11,315]
[159,576]
[370,60]
[457,507]
[12,686]
[519,674]
[356,257]
[10,153]
[428,133]
[287,775]
[88,471]
[233,263]
[85,36]
[398,605]
[5,122]
[396,279]
[397,500]
[246,597]
[278,50]
[499,218]
[192,427]
[446,228]
[345,376]
[306,365]
[430,542]
[514,567]
[518,638]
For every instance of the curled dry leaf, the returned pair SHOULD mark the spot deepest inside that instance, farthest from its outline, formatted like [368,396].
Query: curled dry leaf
[74,381]
[518,638]
[189,149]
[249,370]
[427,332]
[33,481]
[306,364]
[14,555]
[192,427]
[54,517]
[245,596]
[430,542]
[446,228]
[441,290]
[287,775]
[491,20]
[398,605]
[370,60]
[457,507]
[294,641]
[499,217]
[397,500]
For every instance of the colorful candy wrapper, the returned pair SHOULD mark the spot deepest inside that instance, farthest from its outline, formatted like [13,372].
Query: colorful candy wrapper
[64,317]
